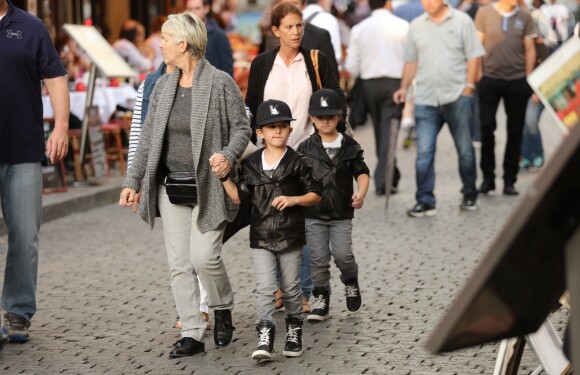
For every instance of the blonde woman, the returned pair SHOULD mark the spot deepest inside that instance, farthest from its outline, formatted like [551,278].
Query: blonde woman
[195,114]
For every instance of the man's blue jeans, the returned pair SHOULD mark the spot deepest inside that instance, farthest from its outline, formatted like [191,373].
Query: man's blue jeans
[21,197]
[429,121]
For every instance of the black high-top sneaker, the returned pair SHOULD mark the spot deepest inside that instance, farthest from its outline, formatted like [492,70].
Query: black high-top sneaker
[293,346]
[321,305]
[266,334]
[353,298]
[224,329]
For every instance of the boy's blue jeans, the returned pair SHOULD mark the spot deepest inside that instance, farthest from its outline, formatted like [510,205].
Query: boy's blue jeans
[21,197]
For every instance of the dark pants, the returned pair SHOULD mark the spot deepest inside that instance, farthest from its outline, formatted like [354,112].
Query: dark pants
[515,94]
[378,98]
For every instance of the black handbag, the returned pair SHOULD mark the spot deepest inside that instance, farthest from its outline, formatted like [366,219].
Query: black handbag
[181,188]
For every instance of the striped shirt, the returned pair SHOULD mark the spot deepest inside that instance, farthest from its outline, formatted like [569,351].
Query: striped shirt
[135,126]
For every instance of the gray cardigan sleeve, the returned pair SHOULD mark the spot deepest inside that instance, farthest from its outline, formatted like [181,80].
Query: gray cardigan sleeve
[239,130]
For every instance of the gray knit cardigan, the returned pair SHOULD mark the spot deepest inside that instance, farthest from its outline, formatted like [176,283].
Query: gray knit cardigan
[218,124]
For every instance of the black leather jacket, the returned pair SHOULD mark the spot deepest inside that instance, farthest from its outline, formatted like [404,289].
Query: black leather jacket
[336,175]
[271,229]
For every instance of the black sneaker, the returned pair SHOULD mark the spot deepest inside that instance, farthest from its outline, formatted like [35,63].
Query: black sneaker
[266,334]
[469,204]
[186,347]
[321,305]
[422,209]
[17,328]
[224,329]
[353,298]
[293,347]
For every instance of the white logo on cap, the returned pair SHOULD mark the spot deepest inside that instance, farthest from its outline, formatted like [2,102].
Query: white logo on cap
[274,110]
[323,101]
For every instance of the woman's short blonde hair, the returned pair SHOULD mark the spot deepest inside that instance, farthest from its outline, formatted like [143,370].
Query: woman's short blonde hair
[189,28]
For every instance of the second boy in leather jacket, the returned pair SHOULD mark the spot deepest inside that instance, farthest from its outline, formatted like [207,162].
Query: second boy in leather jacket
[336,174]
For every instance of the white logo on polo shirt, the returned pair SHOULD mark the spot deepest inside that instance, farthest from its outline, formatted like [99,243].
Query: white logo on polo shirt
[17,34]
[323,101]
[274,110]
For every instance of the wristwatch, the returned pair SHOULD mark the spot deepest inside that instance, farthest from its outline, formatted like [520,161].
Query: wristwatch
[470,85]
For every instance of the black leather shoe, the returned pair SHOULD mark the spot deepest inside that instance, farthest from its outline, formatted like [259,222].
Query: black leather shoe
[223,330]
[509,189]
[486,186]
[186,347]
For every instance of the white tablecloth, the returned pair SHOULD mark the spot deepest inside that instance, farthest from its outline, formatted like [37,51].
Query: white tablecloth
[106,98]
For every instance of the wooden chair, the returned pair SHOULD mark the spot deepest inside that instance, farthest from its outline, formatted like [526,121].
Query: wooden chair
[114,144]
[74,137]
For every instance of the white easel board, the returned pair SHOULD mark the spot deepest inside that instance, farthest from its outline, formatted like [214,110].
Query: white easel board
[101,53]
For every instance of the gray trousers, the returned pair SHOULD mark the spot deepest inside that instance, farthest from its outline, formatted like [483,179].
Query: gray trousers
[266,263]
[326,239]
[191,254]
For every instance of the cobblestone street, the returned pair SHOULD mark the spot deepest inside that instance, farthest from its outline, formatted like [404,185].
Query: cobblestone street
[105,305]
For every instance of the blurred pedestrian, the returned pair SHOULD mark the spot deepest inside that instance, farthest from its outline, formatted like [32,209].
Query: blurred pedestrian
[409,10]
[219,51]
[445,75]
[131,37]
[379,62]
[280,183]
[545,42]
[337,160]
[197,106]
[31,59]
[154,39]
[317,12]
[507,33]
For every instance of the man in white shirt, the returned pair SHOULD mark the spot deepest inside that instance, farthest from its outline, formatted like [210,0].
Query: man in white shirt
[376,54]
[317,12]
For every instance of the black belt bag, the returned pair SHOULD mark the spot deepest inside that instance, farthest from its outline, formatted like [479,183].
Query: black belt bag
[181,188]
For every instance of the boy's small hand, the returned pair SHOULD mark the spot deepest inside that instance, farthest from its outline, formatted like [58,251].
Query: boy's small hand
[281,202]
[219,165]
[357,200]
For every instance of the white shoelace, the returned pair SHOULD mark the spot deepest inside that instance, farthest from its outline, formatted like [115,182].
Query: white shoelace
[319,303]
[351,290]
[264,336]
[292,334]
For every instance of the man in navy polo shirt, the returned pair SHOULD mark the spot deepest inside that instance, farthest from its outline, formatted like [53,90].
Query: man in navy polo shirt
[27,56]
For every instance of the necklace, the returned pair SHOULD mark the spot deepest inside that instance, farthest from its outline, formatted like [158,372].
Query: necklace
[184,91]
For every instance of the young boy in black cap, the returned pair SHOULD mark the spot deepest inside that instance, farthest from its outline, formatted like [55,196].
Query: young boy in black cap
[337,159]
[281,182]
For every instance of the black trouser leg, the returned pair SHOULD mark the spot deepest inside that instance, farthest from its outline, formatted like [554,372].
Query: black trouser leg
[515,101]
[490,92]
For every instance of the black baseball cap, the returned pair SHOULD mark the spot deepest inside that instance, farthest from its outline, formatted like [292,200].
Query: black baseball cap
[324,102]
[272,111]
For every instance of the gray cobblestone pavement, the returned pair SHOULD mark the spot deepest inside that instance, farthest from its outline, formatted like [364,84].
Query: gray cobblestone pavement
[105,306]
